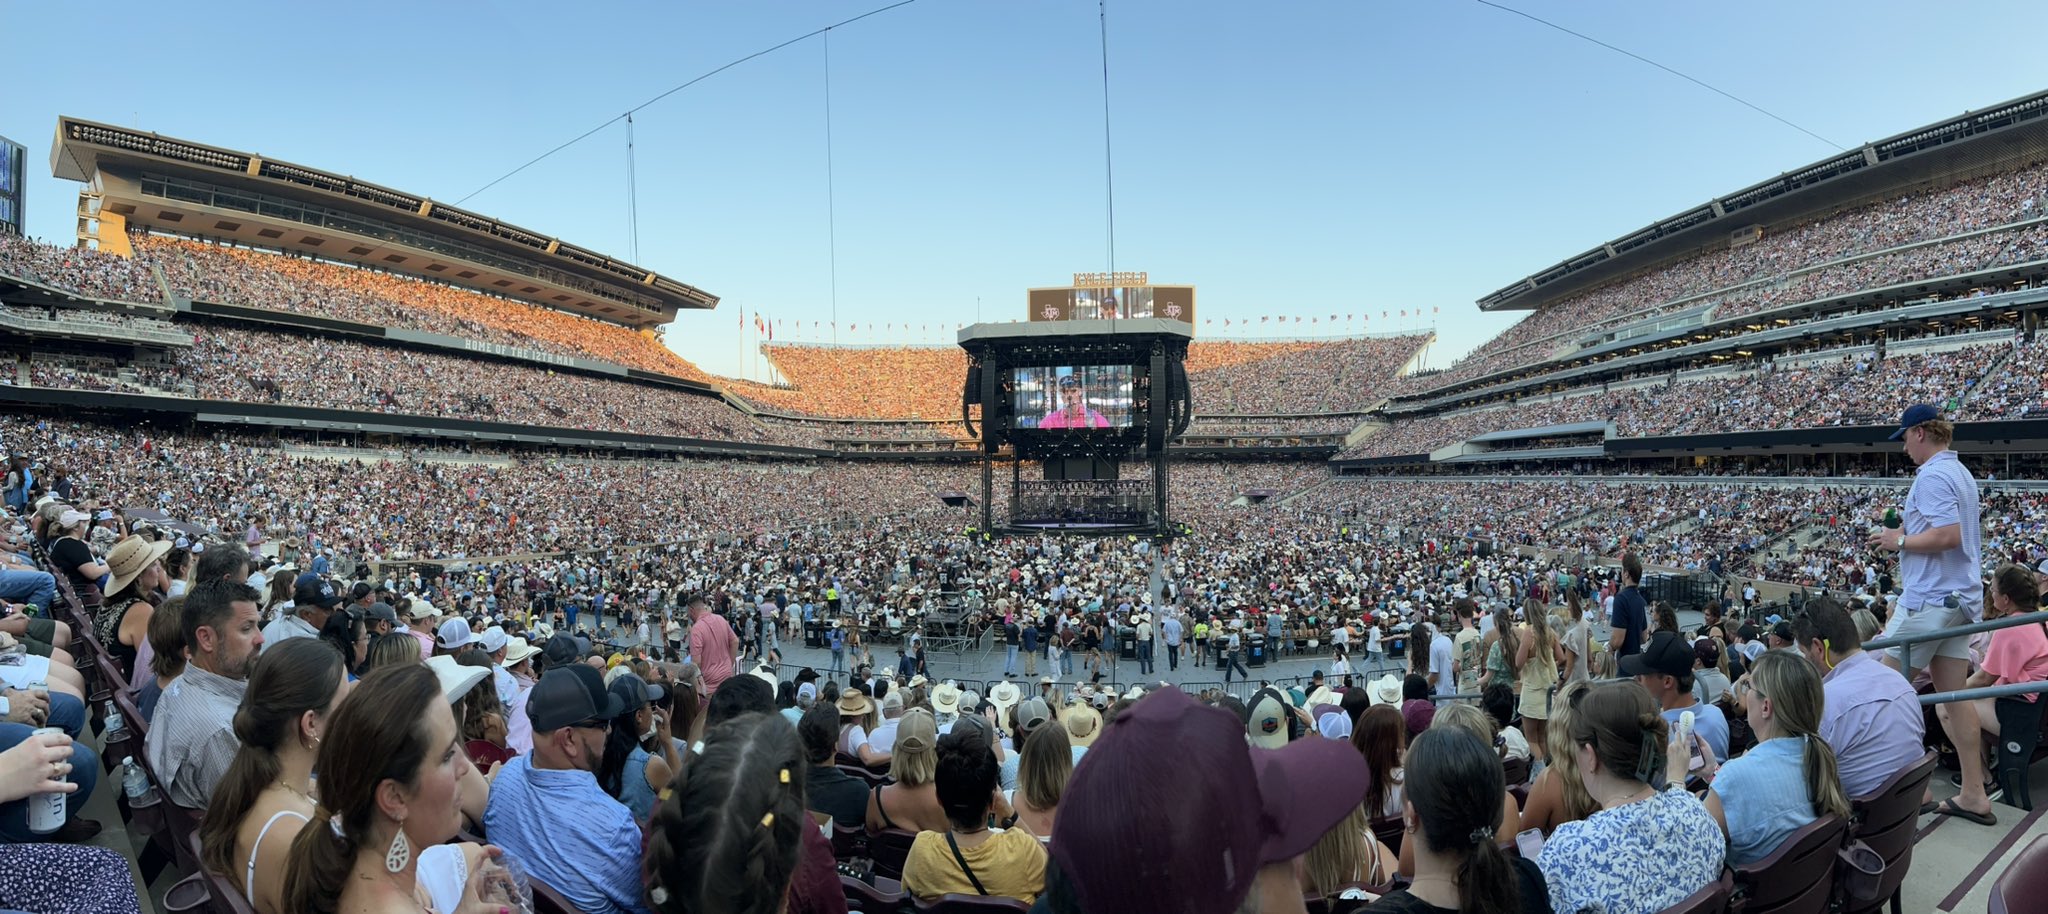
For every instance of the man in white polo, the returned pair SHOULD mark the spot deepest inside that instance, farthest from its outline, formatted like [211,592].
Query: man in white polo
[1940,574]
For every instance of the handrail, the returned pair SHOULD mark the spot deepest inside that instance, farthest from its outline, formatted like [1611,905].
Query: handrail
[1969,628]
[1997,691]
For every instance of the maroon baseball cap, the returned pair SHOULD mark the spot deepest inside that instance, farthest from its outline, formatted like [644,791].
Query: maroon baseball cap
[1197,847]
[1297,787]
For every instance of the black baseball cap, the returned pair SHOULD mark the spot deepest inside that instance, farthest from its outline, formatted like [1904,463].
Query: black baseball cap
[1666,655]
[570,694]
[1067,380]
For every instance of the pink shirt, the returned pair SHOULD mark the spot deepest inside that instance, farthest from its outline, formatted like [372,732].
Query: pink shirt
[426,643]
[1060,419]
[2018,654]
[714,649]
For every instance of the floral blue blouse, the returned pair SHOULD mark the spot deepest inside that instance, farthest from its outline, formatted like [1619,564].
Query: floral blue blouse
[1637,859]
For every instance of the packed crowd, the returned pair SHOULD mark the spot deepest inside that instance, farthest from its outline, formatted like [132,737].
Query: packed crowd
[2018,389]
[240,276]
[1274,425]
[78,269]
[829,430]
[1295,377]
[1790,392]
[891,382]
[79,318]
[1229,378]
[398,509]
[261,366]
[258,647]
[1810,536]
[1786,266]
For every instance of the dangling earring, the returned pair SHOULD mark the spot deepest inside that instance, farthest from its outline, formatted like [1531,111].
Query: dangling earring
[400,853]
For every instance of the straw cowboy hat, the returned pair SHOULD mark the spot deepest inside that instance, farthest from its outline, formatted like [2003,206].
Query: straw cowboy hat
[946,698]
[1004,695]
[130,558]
[1321,696]
[853,703]
[1084,724]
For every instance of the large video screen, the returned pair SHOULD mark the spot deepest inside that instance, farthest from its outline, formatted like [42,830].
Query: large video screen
[1073,396]
[1173,302]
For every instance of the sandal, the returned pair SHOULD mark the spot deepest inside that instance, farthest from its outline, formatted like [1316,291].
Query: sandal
[1949,807]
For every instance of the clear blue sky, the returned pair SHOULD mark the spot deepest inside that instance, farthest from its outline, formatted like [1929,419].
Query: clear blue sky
[1286,158]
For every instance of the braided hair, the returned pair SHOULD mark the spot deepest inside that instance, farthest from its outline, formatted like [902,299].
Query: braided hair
[730,825]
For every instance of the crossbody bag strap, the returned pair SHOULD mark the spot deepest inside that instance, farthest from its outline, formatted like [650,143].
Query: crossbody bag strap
[955,845]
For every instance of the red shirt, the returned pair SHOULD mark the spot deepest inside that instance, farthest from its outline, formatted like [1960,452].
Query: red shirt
[814,887]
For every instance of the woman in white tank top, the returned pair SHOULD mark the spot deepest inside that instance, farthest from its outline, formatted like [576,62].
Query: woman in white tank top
[267,795]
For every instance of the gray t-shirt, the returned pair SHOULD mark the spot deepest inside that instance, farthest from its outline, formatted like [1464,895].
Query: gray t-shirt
[1576,640]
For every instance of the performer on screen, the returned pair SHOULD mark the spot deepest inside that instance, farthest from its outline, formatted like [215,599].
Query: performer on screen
[1073,411]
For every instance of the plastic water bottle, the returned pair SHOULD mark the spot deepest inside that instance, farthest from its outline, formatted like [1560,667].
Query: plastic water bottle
[116,729]
[134,783]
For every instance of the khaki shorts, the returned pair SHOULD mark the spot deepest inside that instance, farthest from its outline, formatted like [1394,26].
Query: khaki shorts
[1932,617]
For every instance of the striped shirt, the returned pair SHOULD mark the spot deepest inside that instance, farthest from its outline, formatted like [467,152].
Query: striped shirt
[192,738]
[1944,494]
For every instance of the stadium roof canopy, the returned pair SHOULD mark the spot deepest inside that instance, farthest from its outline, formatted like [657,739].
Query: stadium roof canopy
[1973,144]
[185,188]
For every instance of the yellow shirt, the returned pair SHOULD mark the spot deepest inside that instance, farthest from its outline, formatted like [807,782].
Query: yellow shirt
[1010,863]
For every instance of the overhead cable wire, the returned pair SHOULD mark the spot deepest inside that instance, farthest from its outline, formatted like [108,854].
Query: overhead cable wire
[700,78]
[1684,76]
[831,204]
[1108,163]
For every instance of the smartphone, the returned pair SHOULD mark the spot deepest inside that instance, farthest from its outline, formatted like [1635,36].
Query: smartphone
[1530,843]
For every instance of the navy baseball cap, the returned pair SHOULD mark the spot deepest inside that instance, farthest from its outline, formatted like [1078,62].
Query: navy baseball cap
[1915,415]
[312,590]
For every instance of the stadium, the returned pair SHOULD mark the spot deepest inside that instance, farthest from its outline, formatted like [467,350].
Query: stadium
[456,419]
